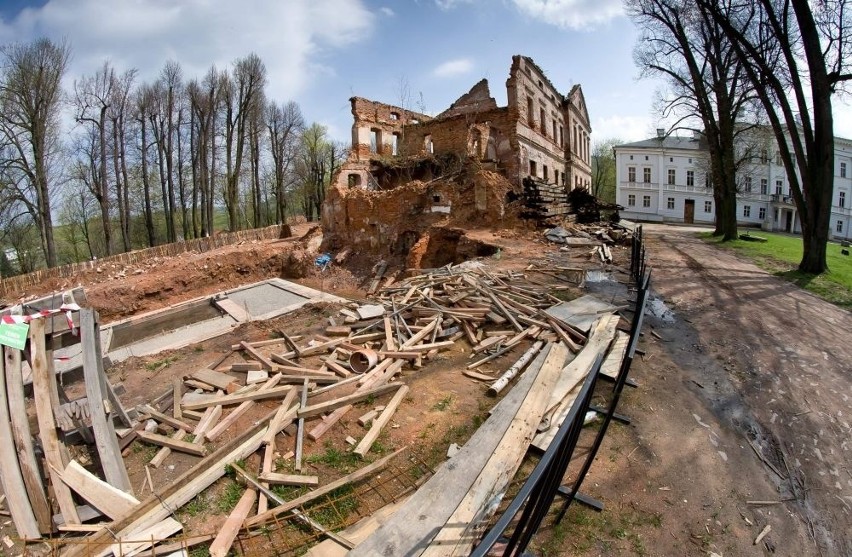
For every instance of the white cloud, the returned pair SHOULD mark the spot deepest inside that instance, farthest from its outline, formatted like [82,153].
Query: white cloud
[288,36]
[450,4]
[452,68]
[387,11]
[626,128]
[571,14]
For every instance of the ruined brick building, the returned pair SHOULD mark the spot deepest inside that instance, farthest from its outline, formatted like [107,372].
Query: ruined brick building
[413,183]
[540,133]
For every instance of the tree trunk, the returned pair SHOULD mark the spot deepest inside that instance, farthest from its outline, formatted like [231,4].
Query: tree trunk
[146,186]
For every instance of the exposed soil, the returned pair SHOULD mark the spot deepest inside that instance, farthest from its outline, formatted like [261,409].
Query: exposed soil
[743,357]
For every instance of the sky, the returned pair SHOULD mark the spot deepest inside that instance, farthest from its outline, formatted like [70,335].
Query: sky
[419,53]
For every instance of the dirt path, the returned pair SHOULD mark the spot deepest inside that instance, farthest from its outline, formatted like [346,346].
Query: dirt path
[774,365]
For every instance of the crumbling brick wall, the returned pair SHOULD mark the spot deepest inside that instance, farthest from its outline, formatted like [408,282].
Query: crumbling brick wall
[375,126]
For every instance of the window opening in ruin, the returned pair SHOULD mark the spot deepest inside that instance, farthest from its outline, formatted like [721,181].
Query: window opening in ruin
[554,129]
[375,140]
[544,170]
[415,121]
[542,117]
[436,199]
[530,120]
[354,180]
[395,144]
[533,170]
[561,139]
[427,143]
[394,115]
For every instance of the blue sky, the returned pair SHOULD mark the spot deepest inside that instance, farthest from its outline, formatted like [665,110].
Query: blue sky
[321,52]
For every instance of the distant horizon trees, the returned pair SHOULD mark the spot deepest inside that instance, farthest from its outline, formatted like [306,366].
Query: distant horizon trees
[146,163]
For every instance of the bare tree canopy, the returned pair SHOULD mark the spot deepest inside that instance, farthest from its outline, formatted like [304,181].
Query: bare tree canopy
[30,96]
[708,92]
[797,54]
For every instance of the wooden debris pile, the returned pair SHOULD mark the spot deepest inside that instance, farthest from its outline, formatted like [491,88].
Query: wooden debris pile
[29,476]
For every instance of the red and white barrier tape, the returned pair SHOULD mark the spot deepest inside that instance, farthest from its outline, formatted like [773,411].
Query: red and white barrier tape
[67,309]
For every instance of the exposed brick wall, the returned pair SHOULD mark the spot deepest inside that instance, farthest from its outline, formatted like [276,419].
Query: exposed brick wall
[385,118]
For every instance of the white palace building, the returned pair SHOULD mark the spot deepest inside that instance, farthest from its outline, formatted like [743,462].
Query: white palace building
[663,179]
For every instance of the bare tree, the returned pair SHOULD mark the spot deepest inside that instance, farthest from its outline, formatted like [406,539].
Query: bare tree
[240,93]
[144,107]
[797,55]
[707,87]
[30,97]
[319,160]
[118,119]
[93,98]
[285,125]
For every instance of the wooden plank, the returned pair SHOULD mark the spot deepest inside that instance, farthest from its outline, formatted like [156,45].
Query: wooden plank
[164,453]
[237,412]
[165,418]
[244,367]
[266,467]
[284,416]
[410,527]
[300,432]
[46,398]
[516,368]
[110,500]
[368,417]
[581,312]
[228,400]
[233,309]
[323,407]
[177,392]
[256,376]
[141,539]
[289,479]
[221,546]
[612,364]
[23,440]
[356,533]
[172,443]
[376,427]
[254,353]
[356,476]
[215,379]
[206,423]
[176,494]
[12,479]
[458,532]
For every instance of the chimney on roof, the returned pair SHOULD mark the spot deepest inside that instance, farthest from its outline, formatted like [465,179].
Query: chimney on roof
[661,133]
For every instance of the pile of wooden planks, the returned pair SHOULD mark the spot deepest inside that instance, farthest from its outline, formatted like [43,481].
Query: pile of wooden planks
[91,418]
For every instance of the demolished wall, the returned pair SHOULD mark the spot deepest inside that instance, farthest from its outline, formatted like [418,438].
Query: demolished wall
[389,223]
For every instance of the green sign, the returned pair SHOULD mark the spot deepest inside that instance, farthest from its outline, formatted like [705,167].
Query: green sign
[14,335]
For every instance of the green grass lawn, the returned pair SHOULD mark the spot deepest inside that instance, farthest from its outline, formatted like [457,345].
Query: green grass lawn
[781,255]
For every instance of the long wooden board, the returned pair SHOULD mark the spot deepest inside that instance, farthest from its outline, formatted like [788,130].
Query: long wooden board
[46,397]
[23,440]
[228,400]
[97,393]
[459,533]
[229,530]
[411,527]
[13,482]
[367,441]
[110,500]
[323,407]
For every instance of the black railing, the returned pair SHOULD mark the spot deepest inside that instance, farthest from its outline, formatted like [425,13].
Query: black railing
[537,494]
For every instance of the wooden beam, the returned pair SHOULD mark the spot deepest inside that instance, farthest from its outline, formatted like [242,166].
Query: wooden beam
[228,400]
[323,407]
[164,452]
[254,353]
[165,418]
[289,479]
[376,427]
[172,443]
[237,412]
[300,432]
[23,440]
[221,546]
[110,500]
[46,398]
[97,393]
[177,392]
[284,416]
[215,379]
[12,479]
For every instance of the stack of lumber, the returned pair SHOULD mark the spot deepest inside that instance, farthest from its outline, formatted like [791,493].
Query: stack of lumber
[28,494]
[543,200]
